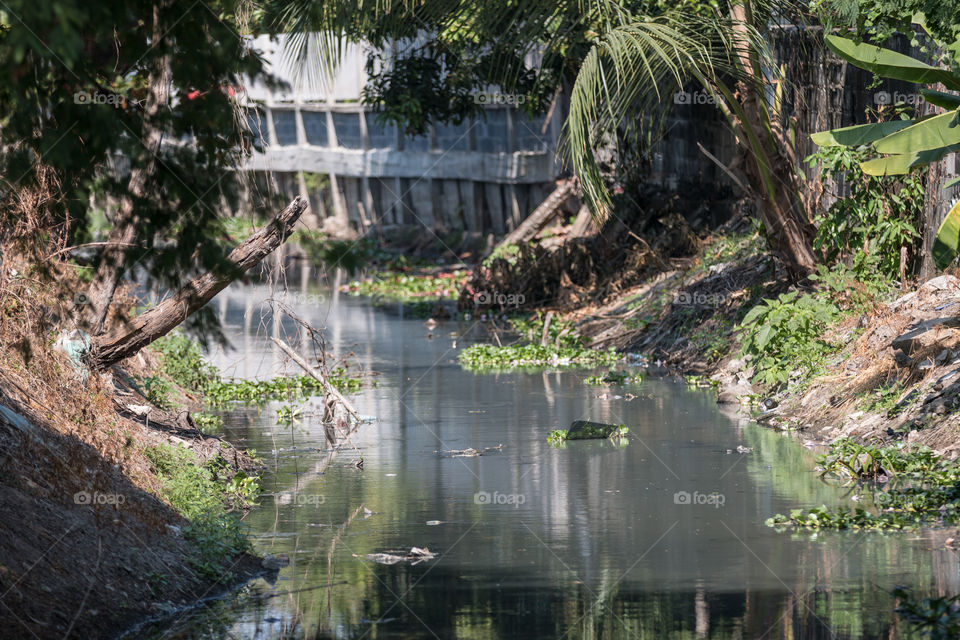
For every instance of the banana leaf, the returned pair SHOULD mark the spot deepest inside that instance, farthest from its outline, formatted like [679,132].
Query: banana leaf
[890,64]
[948,237]
[900,164]
[942,99]
[934,133]
[859,134]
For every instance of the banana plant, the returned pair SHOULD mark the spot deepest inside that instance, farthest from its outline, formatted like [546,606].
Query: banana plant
[904,145]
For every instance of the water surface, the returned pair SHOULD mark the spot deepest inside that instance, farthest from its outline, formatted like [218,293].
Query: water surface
[661,538]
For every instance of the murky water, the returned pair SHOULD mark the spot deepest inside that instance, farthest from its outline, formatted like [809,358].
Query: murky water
[663,538]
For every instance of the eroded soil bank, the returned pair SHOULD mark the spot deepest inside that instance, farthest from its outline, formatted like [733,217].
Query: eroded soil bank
[88,547]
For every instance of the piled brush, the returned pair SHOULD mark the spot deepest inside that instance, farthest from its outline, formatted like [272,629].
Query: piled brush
[635,243]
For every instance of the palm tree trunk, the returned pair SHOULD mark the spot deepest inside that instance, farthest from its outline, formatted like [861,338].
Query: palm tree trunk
[771,164]
[771,171]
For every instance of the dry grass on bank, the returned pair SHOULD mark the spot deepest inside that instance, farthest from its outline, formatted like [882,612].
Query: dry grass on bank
[85,543]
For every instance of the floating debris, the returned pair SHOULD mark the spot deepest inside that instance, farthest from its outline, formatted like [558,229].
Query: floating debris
[468,453]
[416,555]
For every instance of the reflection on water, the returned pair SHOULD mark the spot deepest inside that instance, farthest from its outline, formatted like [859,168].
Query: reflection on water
[663,538]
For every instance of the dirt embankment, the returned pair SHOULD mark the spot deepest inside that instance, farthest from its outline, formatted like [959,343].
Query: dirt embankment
[908,352]
[87,549]
[895,376]
[570,273]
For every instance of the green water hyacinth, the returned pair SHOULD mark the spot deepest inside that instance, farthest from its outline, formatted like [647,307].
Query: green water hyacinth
[907,144]
[488,357]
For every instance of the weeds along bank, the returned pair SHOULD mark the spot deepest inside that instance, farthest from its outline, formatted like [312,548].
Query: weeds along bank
[116,502]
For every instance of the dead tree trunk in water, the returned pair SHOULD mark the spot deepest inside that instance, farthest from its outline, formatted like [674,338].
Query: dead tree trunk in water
[159,321]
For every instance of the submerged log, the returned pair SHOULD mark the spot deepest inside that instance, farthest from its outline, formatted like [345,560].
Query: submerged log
[166,316]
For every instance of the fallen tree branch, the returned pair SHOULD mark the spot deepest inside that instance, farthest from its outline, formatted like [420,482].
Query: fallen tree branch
[166,316]
[332,390]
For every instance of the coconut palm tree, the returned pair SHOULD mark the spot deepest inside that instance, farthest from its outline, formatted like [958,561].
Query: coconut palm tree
[626,60]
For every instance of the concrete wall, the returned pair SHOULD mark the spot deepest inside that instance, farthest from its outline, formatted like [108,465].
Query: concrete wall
[440,181]
[481,176]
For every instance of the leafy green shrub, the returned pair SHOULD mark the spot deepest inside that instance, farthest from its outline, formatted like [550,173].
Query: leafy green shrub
[784,334]
[884,400]
[184,363]
[188,487]
[854,290]
[877,218]
[204,495]
[157,389]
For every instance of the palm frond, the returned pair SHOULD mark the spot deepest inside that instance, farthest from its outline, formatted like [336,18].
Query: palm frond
[633,68]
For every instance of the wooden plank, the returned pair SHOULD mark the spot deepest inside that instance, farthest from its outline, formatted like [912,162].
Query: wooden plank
[421,204]
[470,204]
[494,201]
